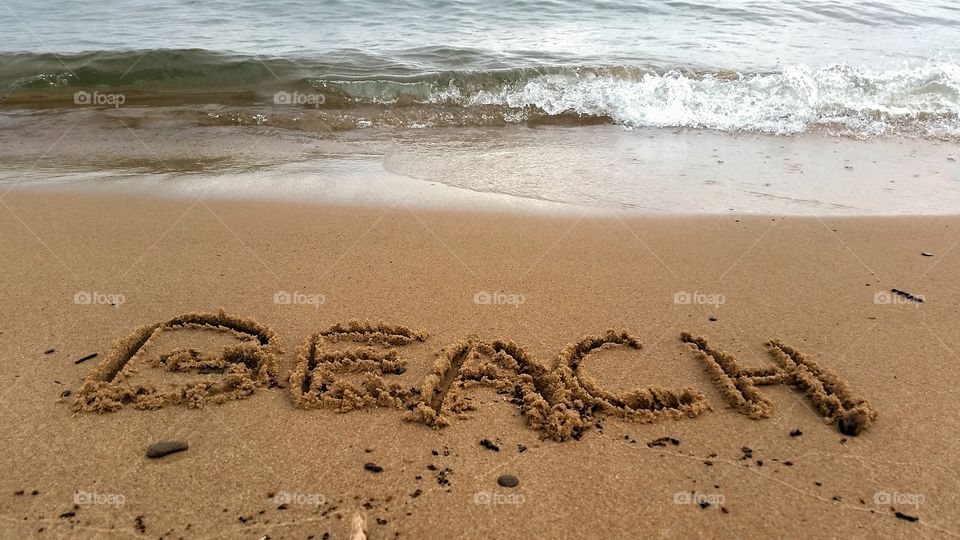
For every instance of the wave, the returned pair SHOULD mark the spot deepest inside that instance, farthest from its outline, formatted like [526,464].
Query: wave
[354,90]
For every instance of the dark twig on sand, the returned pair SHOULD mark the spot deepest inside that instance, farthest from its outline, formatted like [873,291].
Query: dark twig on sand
[85,358]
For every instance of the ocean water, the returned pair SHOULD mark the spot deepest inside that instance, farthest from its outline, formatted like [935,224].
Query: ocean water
[861,69]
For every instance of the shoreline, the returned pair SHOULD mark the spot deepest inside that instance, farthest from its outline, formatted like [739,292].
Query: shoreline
[819,284]
[593,169]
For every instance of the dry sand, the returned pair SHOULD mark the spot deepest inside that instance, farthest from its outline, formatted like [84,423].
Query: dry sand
[644,428]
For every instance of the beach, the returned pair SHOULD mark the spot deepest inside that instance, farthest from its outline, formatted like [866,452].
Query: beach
[308,269]
[262,466]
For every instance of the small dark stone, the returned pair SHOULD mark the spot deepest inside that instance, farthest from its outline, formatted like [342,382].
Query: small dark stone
[852,423]
[818,483]
[927,254]
[434,452]
[796,433]
[282,507]
[68,515]
[164,448]
[712,318]
[508,480]
[788,463]
[49,351]
[704,504]
[34,493]
[381,521]
[65,393]
[724,510]
[906,517]
[372,467]
[488,444]
[759,463]
[521,448]
[416,493]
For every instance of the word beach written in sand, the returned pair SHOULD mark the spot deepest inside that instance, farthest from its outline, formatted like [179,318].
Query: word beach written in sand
[356,365]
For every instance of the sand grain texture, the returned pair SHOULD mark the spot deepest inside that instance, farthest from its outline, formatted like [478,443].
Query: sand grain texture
[559,383]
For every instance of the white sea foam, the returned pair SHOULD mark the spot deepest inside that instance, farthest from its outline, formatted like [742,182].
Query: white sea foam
[924,100]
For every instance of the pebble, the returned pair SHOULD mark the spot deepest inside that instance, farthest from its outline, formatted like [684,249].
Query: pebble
[488,444]
[164,448]
[796,433]
[508,480]
[372,467]
[927,254]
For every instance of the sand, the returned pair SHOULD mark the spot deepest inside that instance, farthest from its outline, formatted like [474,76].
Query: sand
[376,371]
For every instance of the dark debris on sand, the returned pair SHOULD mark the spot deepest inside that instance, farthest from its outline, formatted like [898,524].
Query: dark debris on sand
[85,358]
[906,517]
[164,448]
[488,444]
[663,441]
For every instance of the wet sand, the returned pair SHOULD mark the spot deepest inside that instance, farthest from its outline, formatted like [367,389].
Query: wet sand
[536,169]
[262,462]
